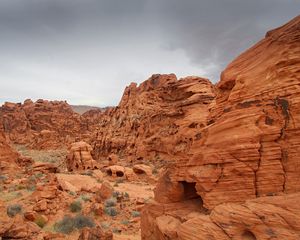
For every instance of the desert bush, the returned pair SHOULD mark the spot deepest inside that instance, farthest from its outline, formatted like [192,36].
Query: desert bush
[85,198]
[75,206]
[135,213]
[31,188]
[7,197]
[40,221]
[72,193]
[81,221]
[88,173]
[111,202]
[116,194]
[65,226]
[105,225]
[13,210]
[111,211]
[155,171]
[125,222]
[68,224]
[3,177]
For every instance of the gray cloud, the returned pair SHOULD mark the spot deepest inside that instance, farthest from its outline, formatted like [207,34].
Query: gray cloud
[87,51]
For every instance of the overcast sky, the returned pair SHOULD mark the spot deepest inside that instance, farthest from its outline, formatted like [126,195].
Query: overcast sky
[87,51]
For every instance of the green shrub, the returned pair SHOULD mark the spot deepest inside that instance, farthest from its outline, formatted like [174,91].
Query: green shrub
[75,206]
[125,222]
[7,197]
[111,211]
[111,202]
[72,193]
[31,188]
[135,213]
[40,221]
[68,224]
[13,210]
[81,221]
[116,194]
[3,177]
[105,225]
[85,198]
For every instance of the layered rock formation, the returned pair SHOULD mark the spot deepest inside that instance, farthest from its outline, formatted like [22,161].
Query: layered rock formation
[249,149]
[80,158]
[42,124]
[157,120]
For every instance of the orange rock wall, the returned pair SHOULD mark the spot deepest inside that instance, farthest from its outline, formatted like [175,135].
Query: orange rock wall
[248,150]
[157,120]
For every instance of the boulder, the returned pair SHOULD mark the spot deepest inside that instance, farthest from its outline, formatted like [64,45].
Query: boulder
[105,192]
[95,234]
[80,158]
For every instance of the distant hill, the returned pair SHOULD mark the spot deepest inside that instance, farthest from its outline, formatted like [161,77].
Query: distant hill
[83,108]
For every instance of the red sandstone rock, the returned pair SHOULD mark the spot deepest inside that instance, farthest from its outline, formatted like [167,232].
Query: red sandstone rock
[105,192]
[156,121]
[95,234]
[42,124]
[80,157]
[249,149]
[8,157]
[262,218]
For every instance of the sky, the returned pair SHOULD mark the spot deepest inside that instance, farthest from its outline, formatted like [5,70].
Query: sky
[88,51]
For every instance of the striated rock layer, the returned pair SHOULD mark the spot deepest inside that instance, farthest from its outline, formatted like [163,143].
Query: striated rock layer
[249,149]
[156,120]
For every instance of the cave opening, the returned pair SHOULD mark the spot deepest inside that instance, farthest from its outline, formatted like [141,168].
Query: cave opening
[190,191]
[248,235]
[119,174]
[109,172]
[138,171]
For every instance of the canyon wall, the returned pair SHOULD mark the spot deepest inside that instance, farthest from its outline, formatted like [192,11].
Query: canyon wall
[155,121]
[249,149]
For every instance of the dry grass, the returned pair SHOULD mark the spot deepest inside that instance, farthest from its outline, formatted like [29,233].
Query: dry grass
[51,156]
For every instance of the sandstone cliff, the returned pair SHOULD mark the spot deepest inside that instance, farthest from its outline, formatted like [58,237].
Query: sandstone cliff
[249,149]
[157,120]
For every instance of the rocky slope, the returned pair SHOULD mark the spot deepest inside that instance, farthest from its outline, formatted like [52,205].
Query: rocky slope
[8,157]
[249,149]
[157,120]
[43,124]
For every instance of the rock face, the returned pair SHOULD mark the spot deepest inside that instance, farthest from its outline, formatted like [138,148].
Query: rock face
[80,157]
[157,120]
[249,149]
[8,157]
[261,218]
[94,234]
[42,124]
